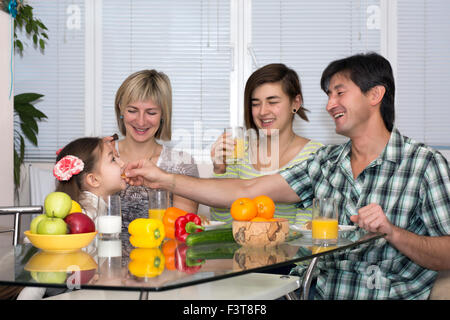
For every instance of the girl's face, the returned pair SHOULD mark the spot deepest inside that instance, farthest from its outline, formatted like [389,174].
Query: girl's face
[272,108]
[142,120]
[110,169]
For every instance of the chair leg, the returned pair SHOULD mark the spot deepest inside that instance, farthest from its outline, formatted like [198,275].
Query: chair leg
[291,296]
[307,278]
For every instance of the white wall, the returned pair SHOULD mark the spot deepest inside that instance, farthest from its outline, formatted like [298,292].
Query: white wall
[6,118]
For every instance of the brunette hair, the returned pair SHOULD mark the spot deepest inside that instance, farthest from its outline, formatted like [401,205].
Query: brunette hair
[142,86]
[366,71]
[272,73]
[89,150]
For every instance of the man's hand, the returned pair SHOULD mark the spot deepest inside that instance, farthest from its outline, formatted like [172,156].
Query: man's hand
[373,219]
[144,173]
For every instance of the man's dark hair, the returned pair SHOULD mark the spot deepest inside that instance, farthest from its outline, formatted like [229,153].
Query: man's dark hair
[366,71]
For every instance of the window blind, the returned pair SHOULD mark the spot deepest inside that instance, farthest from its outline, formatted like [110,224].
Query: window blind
[187,40]
[423,71]
[58,74]
[307,36]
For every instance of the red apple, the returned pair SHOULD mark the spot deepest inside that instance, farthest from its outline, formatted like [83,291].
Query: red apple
[78,222]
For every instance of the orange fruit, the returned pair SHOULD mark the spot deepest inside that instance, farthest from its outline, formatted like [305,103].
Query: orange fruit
[265,206]
[259,219]
[243,209]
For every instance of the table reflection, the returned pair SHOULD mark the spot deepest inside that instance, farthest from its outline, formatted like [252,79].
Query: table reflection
[115,263]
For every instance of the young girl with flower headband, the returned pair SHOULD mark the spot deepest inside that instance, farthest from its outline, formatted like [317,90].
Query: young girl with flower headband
[86,169]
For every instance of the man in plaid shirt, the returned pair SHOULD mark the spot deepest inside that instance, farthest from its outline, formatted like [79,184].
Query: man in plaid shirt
[382,181]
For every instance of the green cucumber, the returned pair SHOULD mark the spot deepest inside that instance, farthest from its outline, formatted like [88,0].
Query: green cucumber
[212,251]
[210,236]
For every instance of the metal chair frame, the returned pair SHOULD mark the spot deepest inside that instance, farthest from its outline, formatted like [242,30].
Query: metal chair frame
[17,212]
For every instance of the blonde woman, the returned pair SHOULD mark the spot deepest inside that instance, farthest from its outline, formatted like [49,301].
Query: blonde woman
[143,107]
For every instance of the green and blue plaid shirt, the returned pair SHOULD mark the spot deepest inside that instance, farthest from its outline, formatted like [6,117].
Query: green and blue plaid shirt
[410,181]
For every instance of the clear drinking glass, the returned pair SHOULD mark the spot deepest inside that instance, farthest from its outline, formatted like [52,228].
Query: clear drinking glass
[158,201]
[324,221]
[238,134]
[109,223]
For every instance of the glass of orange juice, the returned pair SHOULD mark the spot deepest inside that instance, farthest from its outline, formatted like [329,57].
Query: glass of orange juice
[324,221]
[238,134]
[158,201]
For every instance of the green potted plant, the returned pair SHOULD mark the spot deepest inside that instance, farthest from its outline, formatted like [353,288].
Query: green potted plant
[26,116]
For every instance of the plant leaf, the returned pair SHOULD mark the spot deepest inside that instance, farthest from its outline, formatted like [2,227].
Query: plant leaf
[29,134]
[22,149]
[28,109]
[27,97]
[29,122]
[17,164]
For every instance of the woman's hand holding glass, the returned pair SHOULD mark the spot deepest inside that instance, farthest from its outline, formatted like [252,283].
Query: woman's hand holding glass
[220,150]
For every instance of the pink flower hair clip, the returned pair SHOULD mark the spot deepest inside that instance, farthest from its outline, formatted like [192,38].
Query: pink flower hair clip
[67,167]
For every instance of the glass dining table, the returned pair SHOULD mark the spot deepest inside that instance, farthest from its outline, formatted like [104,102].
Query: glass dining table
[114,264]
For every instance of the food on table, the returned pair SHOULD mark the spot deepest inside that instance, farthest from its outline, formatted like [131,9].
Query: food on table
[146,233]
[34,223]
[75,207]
[146,262]
[57,205]
[256,219]
[243,209]
[78,222]
[169,218]
[210,236]
[187,224]
[265,206]
[53,226]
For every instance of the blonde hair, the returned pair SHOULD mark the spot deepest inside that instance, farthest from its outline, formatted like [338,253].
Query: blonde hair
[142,86]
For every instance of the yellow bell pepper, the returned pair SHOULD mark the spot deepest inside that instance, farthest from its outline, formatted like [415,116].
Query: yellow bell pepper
[146,262]
[146,233]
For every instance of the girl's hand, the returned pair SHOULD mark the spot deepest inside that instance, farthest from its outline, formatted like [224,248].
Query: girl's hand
[222,148]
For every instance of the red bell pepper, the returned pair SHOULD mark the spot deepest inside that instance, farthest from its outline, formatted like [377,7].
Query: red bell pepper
[184,225]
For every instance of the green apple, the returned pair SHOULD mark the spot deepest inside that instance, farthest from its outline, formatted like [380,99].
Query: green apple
[34,223]
[57,204]
[52,226]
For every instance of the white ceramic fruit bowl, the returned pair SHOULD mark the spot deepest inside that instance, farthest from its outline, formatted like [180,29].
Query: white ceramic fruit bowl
[60,243]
